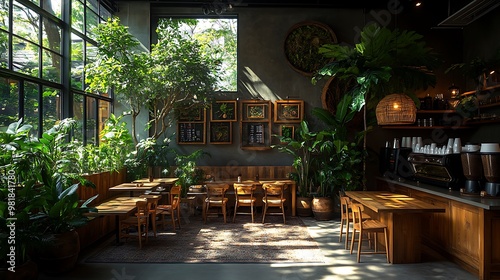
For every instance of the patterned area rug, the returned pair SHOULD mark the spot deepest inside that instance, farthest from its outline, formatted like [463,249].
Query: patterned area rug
[216,242]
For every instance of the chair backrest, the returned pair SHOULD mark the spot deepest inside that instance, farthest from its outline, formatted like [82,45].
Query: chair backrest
[217,190]
[274,189]
[152,200]
[142,208]
[357,214]
[246,190]
[345,201]
[175,196]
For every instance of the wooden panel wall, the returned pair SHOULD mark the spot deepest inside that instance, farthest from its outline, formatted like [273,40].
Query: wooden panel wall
[100,226]
[248,172]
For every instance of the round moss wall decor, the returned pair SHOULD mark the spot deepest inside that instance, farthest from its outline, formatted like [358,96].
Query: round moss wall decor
[302,43]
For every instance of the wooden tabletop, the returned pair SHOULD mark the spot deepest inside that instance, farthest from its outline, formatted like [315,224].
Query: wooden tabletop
[259,182]
[157,180]
[134,187]
[118,206]
[392,202]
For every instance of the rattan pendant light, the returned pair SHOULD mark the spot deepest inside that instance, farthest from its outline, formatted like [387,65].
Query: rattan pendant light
[396,109]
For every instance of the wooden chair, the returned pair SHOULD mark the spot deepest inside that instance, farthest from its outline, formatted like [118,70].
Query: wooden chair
[367,226]
[346,218]
[274,197]
[171,210]
[216,198]
[153,209]
[244,196]
[140,221]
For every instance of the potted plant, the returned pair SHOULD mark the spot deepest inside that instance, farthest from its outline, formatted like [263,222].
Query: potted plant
[301,149]
[15,260]
[187,171]
[47,170]
[338,160]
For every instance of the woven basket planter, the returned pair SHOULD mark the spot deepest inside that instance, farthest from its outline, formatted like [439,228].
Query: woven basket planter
[396,109]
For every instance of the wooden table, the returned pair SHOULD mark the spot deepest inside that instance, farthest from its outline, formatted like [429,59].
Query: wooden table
[134,187]
[165,181]
[291,185]
[401,214]
[117,207]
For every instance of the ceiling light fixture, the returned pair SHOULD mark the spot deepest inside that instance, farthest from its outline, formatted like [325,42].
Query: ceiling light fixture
[216,7]
[418,3]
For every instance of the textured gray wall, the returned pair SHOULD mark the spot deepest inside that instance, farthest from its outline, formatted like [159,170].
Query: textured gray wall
[264,72]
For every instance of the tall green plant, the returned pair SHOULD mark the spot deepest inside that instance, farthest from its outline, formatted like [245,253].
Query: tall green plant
[302,149]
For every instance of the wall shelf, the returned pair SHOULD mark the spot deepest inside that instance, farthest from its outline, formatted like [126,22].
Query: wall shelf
[413,127]
[483,89]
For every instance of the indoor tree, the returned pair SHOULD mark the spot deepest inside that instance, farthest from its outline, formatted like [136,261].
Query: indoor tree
[174,74]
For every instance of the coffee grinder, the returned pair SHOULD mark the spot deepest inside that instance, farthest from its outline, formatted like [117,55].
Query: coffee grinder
[473,171]
[491,168]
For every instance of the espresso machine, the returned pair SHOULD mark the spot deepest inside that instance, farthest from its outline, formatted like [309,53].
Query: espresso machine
[473,172]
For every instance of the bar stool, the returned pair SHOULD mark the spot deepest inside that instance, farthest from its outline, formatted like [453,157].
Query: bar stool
[367,226]
[346,218]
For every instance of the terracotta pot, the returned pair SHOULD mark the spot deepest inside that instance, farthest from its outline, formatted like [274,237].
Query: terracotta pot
[304,206]
[60,254]
[323,208]
[25,271]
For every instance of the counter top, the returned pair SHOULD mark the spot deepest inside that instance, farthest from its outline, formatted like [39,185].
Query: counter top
[488,203]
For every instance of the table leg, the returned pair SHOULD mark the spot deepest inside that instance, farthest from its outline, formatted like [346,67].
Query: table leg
[294,199]
[117,229]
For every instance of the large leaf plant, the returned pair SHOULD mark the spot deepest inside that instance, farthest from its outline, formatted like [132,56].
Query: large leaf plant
[383,62]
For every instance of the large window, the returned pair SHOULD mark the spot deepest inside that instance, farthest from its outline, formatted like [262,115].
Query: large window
[32,64]
[219,39]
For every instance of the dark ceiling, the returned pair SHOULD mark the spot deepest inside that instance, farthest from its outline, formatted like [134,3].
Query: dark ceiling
[431,12]
[273,3]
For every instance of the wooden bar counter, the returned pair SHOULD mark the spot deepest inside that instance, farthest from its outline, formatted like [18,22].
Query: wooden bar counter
[467,233]
[402,215]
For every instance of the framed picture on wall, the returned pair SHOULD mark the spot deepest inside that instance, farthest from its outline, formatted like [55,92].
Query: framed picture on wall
[194,114]
[288,111]
[287,131]
[256,111]
[223,110]
[221,133]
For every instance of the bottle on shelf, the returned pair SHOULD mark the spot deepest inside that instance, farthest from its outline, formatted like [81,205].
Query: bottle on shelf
[428,102]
